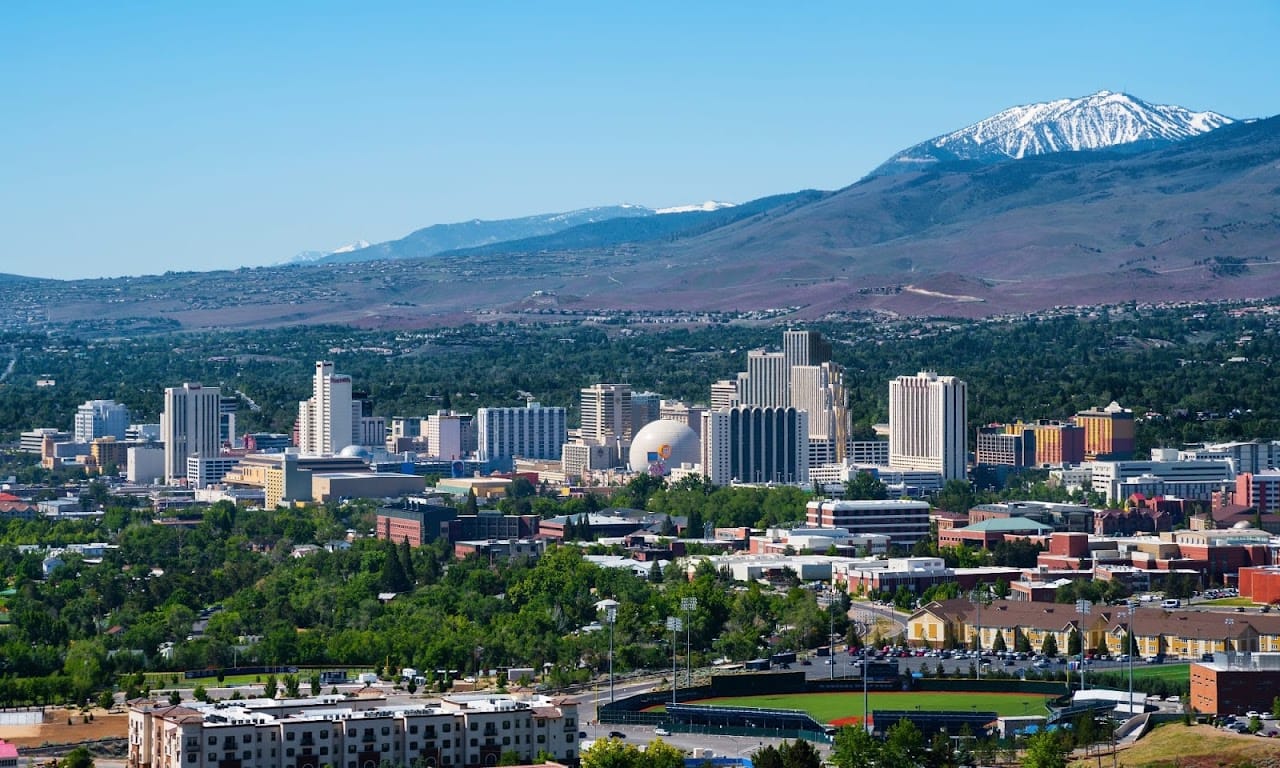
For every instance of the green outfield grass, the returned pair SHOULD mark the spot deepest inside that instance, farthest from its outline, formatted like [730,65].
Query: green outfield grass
[1161,672]
[827,707]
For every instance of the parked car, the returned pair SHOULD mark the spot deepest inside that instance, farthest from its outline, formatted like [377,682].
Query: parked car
[617,735]
[660,731]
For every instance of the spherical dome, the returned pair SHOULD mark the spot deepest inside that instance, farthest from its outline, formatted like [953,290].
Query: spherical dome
[356,452]
[661,445]
[1242,525]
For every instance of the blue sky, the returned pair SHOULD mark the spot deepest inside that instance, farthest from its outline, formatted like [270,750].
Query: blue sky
[142,137]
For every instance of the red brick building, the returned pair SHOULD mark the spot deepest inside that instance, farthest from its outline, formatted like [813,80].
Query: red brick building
[1231,688]
[1261,584]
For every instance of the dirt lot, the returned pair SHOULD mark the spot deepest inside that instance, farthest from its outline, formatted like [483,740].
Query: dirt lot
[54,729]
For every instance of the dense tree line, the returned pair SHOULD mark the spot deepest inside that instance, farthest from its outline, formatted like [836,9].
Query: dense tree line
[1203,369]
[89,620]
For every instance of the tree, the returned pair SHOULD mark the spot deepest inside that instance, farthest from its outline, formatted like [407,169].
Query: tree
[510,757]
[86,666]
[77,758]
[611,753]
[998,645]
[659,754]
[291,686]
[470,506]
[865,485]
[405,556]
[799,754]
[853,747]
[315,684]
[1073,642]
[199,693]
[175,698]
[767,757]
[1045,750]
[1050,645]
[903,745]
[1021,643]
[941,754]
[106,699]
[1275,708]
[270,687]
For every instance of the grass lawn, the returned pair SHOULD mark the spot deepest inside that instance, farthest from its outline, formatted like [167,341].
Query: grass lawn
[164,680]
[826,707]
[1230,601]
[1196,746]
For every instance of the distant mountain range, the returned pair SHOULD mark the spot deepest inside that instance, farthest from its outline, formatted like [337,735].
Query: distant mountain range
[1098,121]
[440,238]
[1164,205]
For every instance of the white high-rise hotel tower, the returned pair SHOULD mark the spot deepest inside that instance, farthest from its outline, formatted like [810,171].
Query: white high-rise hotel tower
[329,420]
[927,418]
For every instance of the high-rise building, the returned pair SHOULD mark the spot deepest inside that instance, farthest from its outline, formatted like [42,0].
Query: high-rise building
[645,407]
[1057,443]
[805,348]
[227,420]
[1108,432]
[451,435]
[606,414]
[927,417]
[532,432]
[330,419]
[100,418]
[766,380]
[755,445]
[1002,445]
[724,394]
[189,424]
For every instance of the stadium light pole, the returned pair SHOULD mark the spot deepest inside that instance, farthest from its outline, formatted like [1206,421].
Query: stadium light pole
[866,710]
[688,605]
[831,631]
[978,597]
[1129,651]
[675,625]
[611,616]
[1083,607]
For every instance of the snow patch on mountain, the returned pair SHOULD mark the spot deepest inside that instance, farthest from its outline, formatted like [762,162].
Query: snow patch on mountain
[710,205]
[306,256]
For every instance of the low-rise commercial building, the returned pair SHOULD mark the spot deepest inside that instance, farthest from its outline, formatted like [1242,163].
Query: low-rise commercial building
[1235,683]
[904,522]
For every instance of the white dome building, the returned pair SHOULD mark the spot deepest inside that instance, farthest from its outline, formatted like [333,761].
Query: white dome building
[663,444]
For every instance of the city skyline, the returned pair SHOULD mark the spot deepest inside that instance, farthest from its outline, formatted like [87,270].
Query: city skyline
[139,141]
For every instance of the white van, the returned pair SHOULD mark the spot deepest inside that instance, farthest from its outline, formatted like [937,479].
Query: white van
[1170,603]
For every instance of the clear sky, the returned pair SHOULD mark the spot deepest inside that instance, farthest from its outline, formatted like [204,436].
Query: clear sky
[137,138]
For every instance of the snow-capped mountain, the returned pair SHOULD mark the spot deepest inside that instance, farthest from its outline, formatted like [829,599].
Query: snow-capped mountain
[1104,119]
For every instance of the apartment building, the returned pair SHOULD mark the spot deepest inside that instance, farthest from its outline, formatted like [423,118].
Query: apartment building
[466,731]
